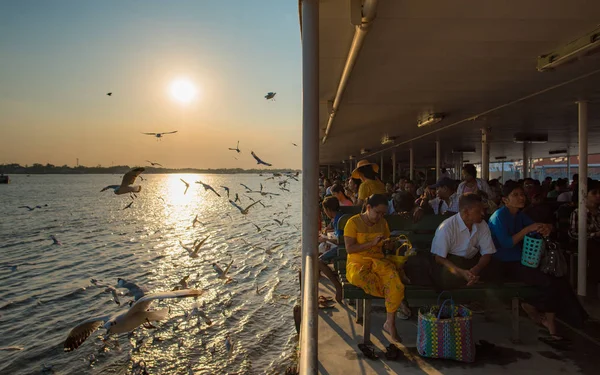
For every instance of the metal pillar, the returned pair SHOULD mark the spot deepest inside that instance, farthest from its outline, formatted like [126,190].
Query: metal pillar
[525,161]
[394,167]
[438,160]
[485,155]
[309,335]
[502,178]
[582,209]
[411,164]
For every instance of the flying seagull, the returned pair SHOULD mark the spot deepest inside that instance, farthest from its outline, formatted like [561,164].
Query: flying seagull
[294,144]
[160,135]
[237,148]
[128,206]
[227,190]
[153,164]
[187,185]
[222,274]
[32,208]
[258,229]
[244,211]
[270,96]
[208,187]
[127,182]
[237,198]
[196,221]
[55,241]
[109,94]
[258,161]
[134,317]
[280,222]
[194,253]
[135,291]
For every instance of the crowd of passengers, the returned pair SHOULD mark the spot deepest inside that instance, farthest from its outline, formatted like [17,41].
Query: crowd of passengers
[480,241]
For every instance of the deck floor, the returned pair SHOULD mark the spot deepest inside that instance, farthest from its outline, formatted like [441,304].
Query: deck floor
[339,336]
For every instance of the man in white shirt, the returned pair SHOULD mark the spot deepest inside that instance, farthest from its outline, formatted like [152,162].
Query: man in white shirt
[463,245]
[446,200]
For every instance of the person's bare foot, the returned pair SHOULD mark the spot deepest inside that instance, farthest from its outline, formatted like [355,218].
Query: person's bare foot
[391,329]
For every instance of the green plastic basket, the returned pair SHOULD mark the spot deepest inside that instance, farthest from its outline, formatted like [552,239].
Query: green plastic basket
[532,251]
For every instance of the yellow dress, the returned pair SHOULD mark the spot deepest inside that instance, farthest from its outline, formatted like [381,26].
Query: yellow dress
[370,187]
[369,270]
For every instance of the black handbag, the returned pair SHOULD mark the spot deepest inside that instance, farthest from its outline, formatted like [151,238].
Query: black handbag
[553,261]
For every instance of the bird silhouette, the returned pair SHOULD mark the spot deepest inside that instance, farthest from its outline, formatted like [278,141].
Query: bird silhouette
[237,148]
[259,161]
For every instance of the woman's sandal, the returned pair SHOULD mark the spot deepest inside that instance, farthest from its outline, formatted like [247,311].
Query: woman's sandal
[368,351]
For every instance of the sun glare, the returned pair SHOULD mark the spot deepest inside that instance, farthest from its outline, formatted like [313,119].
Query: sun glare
[183,91]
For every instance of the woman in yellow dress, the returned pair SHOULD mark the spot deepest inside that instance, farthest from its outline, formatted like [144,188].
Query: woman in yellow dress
[366,267]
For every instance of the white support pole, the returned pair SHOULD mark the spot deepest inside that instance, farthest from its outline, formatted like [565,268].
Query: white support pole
[525,161]
[502,178]
[394,167]
[438,160]
[485,155]
[411,164]
[309,339]
[582,208]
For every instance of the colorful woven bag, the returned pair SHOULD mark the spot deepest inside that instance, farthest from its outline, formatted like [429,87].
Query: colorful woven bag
[446,331]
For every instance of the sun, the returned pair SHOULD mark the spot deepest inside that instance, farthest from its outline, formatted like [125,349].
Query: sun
[183,90]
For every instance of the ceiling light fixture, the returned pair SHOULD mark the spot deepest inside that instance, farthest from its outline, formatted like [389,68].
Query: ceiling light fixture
[557,152]
[430,120]
[386,140]
[572,51]
[530,138]
[500,157]
[364,151]
[467,150]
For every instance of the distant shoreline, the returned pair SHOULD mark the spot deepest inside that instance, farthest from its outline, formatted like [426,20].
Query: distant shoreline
[16,169]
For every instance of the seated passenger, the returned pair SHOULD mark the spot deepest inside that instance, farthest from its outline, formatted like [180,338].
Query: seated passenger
[592,202]
[471,184]
[371,184]
[463,245]
[338,192]
[446,200]
[331,206]
[366,266]
[509,226]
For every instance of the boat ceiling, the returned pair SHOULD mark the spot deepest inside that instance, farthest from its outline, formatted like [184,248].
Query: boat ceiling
[473,61]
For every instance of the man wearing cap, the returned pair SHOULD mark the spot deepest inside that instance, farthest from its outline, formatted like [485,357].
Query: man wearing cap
[371,184]
[446,200]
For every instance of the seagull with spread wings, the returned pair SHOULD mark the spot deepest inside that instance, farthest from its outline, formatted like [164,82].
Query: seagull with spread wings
[126,186]
[237,148]
[153,164]
[208,187]
[244,211]
[227,190]
[160,135]
[197,246]
[222,274]
[138,314]
[187,185]
[259,161]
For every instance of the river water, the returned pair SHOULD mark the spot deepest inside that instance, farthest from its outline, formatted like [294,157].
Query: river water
[50,291]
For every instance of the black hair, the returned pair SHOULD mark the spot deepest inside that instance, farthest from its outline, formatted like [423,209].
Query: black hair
[470,170]
[468,200]
[562,182]
[403,201]
[510,187]
[331,203]
[337,188]
[377,200]
[368,172]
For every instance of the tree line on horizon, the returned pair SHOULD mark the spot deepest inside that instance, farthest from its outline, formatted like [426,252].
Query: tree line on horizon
[37,168]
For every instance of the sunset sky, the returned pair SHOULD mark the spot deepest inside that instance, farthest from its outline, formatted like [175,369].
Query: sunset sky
[58,59]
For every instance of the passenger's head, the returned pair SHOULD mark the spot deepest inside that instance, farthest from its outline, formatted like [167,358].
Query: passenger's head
[469,173]
[403,201]
[471,208]
[513,196]
[338,192]
[365,170]
[326,183]
[528,185]
[331,206]
[561,184]
[444,188]
[389,187]
[410,186]
[377,207]
[593,195]
[576,178]
[548,180]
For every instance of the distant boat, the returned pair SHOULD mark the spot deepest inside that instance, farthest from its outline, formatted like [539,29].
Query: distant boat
[4,179]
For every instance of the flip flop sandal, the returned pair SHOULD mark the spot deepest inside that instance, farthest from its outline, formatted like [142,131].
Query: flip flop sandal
[367,351]
[392,352]
[326,305]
